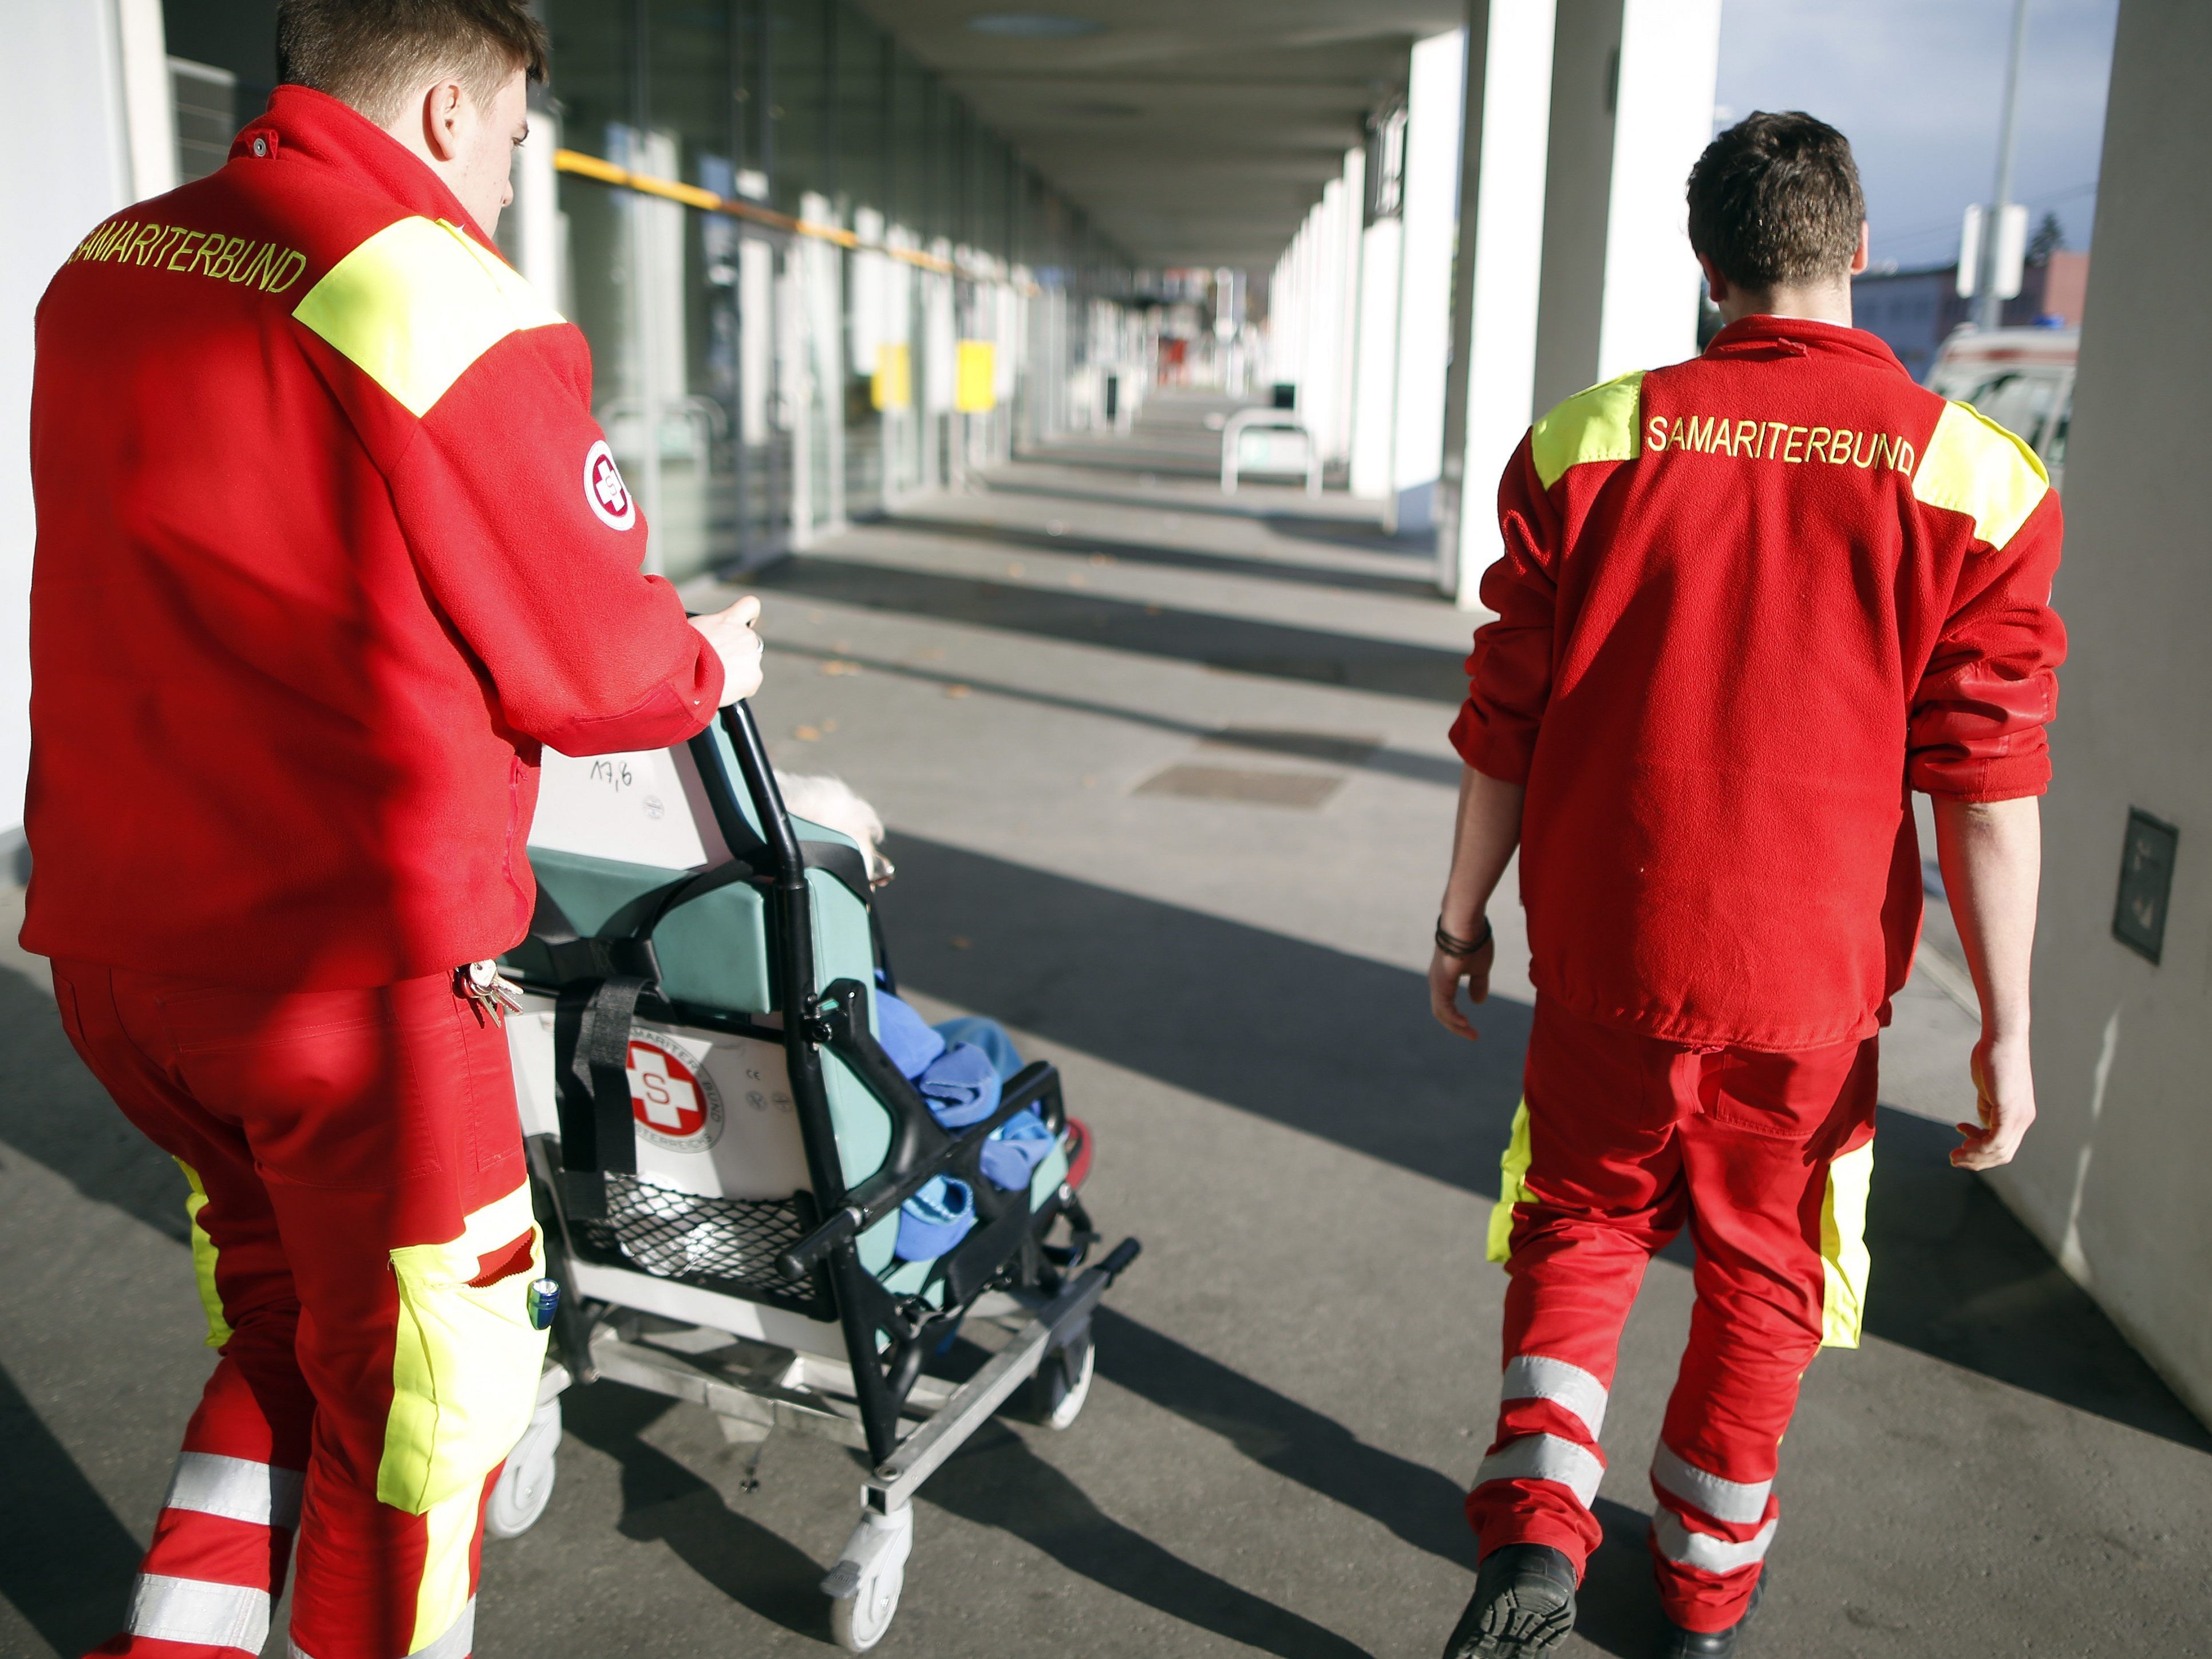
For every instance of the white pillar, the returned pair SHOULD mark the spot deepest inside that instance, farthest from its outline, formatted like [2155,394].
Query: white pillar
[1349,212]
[1375,374]
[1434,92]
[70,92]
[150,111]
[1501,226]
[531,228]
[1631,106]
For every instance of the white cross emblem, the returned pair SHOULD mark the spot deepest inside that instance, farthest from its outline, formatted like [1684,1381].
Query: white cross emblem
[670,1102]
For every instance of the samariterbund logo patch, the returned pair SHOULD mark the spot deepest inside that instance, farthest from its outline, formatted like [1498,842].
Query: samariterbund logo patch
[1772,440]
[674,1100]
[604,489]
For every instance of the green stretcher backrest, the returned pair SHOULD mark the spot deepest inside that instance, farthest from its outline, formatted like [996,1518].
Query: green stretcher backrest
[714,950]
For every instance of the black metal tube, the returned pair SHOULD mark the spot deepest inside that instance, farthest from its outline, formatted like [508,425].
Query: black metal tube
[797,1000]
[879,1195]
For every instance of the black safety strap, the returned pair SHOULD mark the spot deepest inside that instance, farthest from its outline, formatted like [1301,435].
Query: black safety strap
[600,981]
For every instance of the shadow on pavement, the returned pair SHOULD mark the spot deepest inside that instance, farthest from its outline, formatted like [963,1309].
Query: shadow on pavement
[1395,762]
[1617,1609]
[663,1501]
[1296,1033]
[52,1111]
[1956,1276]
[1077,542]
[1310,1037]
[1347,530]
[997,1481]
[1122,455]
[1421,1507]
[66,1563]
[1236,644]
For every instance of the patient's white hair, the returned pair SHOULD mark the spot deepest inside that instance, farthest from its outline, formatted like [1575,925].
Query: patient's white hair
[831,803]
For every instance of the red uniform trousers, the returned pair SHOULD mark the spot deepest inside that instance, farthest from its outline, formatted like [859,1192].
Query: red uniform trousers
[363,1237]
[1620,1139]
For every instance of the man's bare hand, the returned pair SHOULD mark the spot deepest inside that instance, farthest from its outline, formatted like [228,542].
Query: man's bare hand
[731,633]
[1446,974]
[2004,1088]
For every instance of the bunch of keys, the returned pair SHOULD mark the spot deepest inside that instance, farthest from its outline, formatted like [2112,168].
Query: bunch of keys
[496,998]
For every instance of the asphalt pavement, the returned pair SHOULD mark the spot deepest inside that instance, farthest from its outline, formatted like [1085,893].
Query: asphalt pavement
[1170,795]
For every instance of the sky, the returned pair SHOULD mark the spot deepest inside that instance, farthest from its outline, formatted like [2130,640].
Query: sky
[1919,88]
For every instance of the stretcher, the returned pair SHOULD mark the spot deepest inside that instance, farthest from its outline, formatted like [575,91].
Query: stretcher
[720,1151]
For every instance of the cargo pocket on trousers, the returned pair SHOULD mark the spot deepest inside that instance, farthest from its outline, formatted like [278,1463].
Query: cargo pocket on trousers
[466,1361]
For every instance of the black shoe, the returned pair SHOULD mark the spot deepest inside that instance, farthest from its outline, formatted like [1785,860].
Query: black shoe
[1523,1605]
[1679,1644]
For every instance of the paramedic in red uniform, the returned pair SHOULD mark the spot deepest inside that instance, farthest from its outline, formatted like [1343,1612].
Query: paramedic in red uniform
[1746,604]
[329,549]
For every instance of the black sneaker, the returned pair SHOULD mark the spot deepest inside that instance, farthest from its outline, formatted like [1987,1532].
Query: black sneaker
[1523,1605]
[1679,1644]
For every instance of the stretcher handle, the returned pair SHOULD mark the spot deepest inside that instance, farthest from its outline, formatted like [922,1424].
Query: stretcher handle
[1123,1253]
[745,735]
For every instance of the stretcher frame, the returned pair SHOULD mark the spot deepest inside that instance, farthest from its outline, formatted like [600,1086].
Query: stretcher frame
[762,1368]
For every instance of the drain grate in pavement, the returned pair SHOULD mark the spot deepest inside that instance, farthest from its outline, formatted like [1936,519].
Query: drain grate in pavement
[1336,748]
[1301,792]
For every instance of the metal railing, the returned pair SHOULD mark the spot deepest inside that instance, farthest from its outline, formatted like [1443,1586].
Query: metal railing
[1265,419]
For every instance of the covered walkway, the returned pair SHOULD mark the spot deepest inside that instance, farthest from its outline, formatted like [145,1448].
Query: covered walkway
[1170,792]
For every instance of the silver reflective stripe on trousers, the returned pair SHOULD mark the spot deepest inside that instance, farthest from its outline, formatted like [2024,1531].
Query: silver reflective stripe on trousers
[195,1611]
[1571,1389]
[1545,1457]
[235,1488]
[459,1637]
[1704,1551]
[1739,1503]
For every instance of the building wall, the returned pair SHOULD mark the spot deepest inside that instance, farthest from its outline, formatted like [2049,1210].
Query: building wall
[1915,311]
[2113,1176]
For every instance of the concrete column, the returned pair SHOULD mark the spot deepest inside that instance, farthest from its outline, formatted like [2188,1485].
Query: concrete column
[150,111]
[2114,1175]
[530,231]
[1489,399]
[1375,371]
[71,89]
[1435,92]
[1349,193]
[1631,106]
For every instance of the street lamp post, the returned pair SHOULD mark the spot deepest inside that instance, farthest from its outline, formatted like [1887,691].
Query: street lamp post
[1992,304]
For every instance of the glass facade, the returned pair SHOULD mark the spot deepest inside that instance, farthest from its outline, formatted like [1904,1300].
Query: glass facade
[818,282]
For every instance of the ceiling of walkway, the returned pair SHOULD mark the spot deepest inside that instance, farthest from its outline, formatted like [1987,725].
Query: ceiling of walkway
[1195,132]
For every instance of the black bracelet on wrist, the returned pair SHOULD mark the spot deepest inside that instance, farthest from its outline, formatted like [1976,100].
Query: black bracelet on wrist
[1452,945]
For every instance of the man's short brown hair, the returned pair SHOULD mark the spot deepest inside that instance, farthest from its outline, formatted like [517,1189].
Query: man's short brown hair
[376,54]
[1776,200]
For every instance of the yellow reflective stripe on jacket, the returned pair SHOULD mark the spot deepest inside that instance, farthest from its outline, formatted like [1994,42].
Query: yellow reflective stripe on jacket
[1512,1187]
[1596,425]
[1844,1262]
[1976,467]
[204,1255]
[465,1362]
[416,304]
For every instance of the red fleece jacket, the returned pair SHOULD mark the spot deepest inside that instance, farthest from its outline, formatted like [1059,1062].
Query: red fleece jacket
[328,545]
[1746,604]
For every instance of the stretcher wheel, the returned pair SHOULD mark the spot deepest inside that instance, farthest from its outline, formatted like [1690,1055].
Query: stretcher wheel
[525,1485]
[864,1587]
[1062,1384]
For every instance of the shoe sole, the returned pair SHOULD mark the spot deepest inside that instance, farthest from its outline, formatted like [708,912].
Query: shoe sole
[1519,1625]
